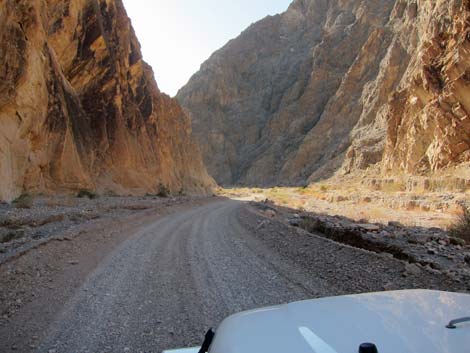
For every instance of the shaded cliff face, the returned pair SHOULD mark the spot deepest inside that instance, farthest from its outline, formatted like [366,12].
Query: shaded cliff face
[334,87]
[80,109]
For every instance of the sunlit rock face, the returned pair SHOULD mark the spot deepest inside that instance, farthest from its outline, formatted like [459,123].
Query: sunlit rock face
[428,121]
[79,109]
[335,87]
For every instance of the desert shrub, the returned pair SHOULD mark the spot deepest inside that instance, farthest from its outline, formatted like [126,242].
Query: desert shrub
[163,191]
[461,228]
[87,193]
[323,188]
[23,201]
[5,238]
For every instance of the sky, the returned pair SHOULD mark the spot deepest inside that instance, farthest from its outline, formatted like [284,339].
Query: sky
[177,36]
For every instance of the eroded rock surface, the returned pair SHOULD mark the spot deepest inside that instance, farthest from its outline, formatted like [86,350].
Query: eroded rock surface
[80,109]
[334,87]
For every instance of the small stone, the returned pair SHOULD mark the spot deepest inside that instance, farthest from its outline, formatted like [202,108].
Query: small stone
[73,262]
[412,269]
[395,224]
[261,225]
[467,258]
[52,351]
[431,252]
[127,349]
[294,222]
[386,255]
[270,213]
[369,227]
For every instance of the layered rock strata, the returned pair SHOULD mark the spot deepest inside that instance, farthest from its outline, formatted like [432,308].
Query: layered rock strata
[336,87]
[80,109]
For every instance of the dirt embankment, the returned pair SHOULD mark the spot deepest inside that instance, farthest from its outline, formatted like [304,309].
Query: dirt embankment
[430,250]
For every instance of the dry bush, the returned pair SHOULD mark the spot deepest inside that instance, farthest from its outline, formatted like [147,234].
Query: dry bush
[7,237]
[163,191]
[87,193]
[461,228]
[23,201]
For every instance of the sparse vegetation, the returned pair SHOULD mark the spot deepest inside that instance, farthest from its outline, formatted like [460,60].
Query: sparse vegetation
[11,235]
[163,191]
[87,193]
[461,228]
[23,201]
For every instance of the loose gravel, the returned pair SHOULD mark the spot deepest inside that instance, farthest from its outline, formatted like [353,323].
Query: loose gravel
[160,282]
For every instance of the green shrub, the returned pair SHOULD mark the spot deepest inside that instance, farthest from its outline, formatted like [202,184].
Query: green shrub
[461,228]
[23,201]
[87,193]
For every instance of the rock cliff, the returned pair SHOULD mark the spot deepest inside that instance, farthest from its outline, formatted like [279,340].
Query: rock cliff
[331,87]
[80,109]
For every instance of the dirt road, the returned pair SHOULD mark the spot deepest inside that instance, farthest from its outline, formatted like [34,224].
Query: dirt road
[175,277]
[168,284]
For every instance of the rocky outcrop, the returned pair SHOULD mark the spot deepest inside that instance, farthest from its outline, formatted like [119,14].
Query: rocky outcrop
[80,109]
[428,116]
[335,87]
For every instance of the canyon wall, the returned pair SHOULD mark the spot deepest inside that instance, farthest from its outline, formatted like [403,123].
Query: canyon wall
[334,87]
[80,109]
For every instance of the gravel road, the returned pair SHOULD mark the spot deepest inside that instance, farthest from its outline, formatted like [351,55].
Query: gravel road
[165,285]
[169,283]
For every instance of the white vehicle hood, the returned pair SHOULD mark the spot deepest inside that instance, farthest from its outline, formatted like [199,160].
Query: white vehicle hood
[412,321]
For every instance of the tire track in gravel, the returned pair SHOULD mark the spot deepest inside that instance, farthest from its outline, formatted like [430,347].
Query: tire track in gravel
[169,283]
